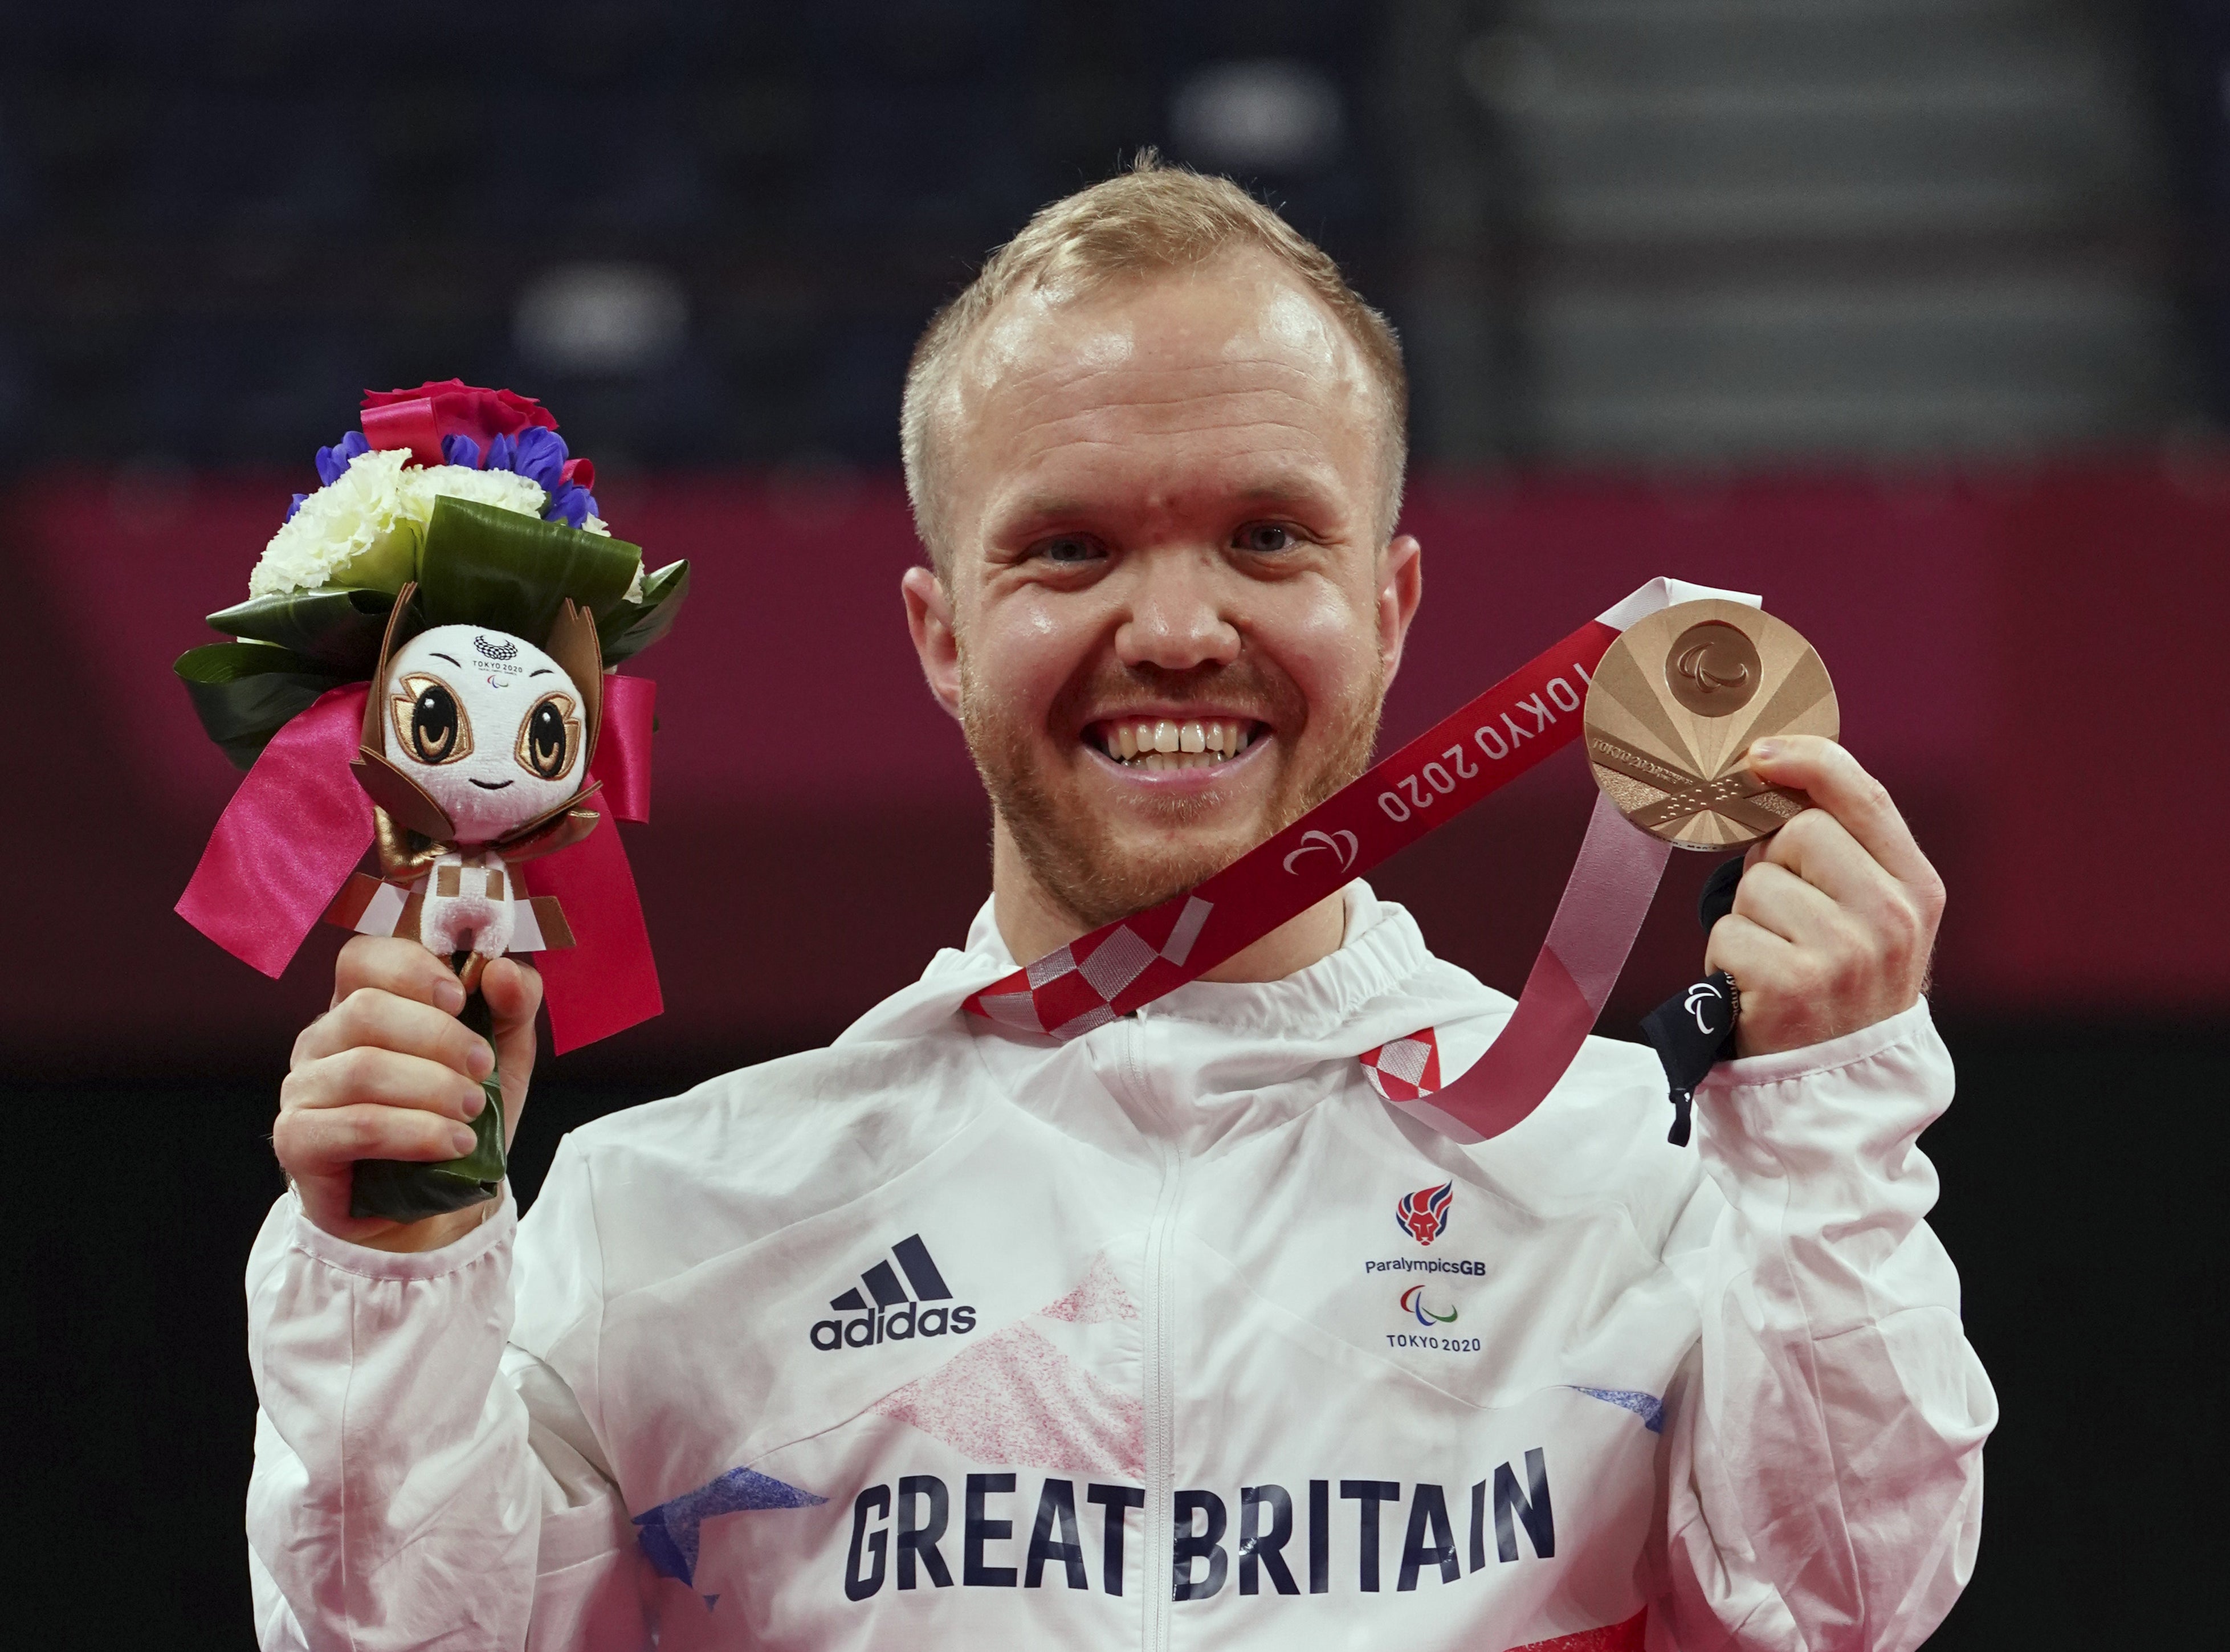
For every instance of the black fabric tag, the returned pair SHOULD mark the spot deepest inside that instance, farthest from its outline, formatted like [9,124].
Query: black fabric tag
[1691,1031]
[1718,898]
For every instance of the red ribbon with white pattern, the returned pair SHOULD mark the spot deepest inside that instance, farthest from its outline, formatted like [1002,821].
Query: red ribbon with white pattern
[1466,756]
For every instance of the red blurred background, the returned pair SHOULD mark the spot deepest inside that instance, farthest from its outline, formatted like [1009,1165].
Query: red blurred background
[1913,317]
[2027,659]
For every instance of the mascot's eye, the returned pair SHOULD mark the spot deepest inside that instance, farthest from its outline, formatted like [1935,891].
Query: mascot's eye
[545,740]
[433,727]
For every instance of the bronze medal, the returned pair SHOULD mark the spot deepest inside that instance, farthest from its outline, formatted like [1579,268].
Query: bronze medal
[1679,700]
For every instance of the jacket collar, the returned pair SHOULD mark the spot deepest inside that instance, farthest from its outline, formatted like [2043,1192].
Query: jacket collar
[1382,983]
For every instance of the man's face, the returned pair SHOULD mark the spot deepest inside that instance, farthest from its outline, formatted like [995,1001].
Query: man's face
[1162,502]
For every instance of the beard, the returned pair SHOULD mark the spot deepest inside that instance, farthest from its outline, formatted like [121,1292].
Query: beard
[1080,858]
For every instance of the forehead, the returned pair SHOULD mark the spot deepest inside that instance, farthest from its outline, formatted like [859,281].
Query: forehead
[1233,361]
[467,655]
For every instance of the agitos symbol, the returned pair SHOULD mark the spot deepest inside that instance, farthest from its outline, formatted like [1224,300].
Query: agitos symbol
[1413,1301]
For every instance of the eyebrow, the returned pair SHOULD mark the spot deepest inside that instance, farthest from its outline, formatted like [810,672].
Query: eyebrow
[458,663]
[1282,486]
[544,672]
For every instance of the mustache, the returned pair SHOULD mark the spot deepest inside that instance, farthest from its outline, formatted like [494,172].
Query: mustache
[1244,686]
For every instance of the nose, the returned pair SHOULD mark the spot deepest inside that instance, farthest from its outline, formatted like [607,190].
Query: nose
[1177,619]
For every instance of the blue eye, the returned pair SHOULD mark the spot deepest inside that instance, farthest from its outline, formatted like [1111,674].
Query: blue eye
[1268,538]
[1069,549]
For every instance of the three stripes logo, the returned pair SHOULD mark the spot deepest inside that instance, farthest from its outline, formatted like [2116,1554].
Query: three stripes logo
[886,1313]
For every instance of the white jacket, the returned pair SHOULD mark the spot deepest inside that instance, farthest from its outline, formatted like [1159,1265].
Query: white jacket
[946,1336]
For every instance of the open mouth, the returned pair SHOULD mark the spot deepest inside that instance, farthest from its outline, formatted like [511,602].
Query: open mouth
[1166,743]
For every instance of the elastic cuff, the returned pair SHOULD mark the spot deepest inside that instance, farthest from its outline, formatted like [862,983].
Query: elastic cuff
[458,1254]
[1811,1060]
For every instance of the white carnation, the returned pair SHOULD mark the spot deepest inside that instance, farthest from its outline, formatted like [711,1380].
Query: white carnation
[363,529]
[499,487]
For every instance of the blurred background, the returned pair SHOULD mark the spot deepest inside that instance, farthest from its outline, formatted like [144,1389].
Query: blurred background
[1913,316]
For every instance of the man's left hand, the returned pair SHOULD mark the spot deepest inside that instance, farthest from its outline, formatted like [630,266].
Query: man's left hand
[1835,917]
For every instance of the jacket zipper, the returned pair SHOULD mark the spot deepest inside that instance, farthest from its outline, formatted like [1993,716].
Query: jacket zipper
[1158,1443]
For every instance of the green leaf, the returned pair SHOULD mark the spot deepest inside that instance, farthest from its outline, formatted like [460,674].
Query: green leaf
[634,626]
[244,692]
[337,628]
[484,565]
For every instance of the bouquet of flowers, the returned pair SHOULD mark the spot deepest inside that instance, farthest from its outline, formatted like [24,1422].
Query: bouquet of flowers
[424,667]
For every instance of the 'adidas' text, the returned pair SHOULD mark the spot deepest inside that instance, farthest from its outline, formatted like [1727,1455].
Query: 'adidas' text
[892,1315]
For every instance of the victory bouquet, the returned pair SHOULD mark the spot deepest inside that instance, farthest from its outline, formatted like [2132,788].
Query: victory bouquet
[424,669]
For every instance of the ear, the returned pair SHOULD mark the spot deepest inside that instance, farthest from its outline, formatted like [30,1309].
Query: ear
[1401,588]
[573,645]
[406,803]
[928,621]
[401,626]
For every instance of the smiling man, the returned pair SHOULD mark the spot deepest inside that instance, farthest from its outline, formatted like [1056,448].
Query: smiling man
[1175,1332]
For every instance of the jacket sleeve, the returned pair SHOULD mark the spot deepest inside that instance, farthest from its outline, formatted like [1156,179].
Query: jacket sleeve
[417,1483]
[1825,1462]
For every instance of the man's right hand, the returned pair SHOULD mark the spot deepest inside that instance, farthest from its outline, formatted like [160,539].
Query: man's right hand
[389,1072]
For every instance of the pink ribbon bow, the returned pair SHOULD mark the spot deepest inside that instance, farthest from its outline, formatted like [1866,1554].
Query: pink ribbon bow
[300,824]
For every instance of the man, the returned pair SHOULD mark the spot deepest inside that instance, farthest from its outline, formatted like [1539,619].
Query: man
[953,1335]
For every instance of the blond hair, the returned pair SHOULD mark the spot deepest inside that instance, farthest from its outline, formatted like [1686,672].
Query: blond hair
[1149,218]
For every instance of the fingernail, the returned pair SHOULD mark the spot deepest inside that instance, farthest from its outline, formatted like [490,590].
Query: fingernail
[449,994]
[479,1060]
[462,1138]
[1765,750]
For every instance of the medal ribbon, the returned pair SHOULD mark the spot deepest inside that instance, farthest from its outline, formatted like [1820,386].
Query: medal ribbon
[1466,756]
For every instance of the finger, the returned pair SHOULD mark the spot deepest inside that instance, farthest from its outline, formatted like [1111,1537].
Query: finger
[1748,950]
[1831,777]
[1819,849]
[514,991]
[397,965]
[1777,900]
[381,1078]
[513,994]
[324,1141]
[371,1016]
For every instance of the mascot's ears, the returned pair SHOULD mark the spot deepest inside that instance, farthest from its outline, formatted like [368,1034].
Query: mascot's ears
[573,644]
[405,801]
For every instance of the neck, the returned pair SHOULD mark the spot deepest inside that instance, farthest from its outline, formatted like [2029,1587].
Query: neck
[1032,923]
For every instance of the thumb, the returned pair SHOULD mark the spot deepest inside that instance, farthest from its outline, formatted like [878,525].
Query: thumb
[513,993]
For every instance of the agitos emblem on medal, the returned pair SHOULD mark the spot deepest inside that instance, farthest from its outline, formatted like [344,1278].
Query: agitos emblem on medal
[1678,700]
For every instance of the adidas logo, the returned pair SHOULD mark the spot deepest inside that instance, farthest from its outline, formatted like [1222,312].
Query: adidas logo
[886,1313]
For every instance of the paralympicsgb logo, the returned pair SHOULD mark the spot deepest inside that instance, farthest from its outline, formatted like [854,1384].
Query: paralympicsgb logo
[1424,1215]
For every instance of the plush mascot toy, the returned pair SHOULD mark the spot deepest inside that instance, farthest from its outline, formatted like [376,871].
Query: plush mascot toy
[424,669]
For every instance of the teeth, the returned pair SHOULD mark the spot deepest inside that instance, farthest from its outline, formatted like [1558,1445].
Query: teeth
[1166,743]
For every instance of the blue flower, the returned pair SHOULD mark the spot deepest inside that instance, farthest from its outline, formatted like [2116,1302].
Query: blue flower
[571,504]
[333,462]
[461,450]
[296,506]
[540,456]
